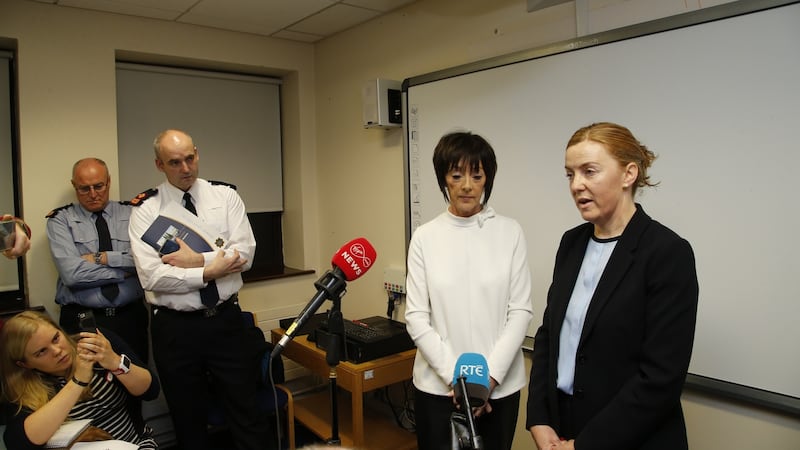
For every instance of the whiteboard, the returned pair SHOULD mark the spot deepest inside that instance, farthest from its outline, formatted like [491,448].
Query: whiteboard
[717,100]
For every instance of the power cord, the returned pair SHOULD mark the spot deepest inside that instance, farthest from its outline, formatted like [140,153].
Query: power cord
[393,297]
[403,414]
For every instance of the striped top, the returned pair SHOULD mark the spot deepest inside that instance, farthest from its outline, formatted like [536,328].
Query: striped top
[107,409]
[108,406]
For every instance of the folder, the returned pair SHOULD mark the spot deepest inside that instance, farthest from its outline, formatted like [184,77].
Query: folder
[176,222]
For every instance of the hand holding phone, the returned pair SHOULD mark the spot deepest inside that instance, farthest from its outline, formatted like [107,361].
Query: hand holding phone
[8,234]
[14,236]
[86,321]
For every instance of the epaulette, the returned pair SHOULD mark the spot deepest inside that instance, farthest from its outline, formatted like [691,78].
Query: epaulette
[54,212]
[124,202]
[137,201]
[222,183]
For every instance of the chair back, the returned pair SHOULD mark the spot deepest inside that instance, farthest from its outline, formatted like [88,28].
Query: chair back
[261,351]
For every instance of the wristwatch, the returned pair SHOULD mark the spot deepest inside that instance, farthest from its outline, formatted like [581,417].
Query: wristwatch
[124,366]
[98,258]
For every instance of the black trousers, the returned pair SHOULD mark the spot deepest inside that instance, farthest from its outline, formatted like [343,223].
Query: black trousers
[129,322]
[432,418]
[187,347]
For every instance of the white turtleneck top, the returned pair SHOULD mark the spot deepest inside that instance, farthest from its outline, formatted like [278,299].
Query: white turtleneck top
[468,290]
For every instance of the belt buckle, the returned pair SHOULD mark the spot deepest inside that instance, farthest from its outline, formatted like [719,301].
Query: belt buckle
[210,312]
[110,312]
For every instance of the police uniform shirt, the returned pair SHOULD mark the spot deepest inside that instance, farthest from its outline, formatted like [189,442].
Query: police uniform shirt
[225,218]
[72,233]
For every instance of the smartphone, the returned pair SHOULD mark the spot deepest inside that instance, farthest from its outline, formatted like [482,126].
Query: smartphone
[86,322]
[8,234]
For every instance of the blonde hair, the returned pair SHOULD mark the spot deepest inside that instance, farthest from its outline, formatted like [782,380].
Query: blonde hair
[25,387]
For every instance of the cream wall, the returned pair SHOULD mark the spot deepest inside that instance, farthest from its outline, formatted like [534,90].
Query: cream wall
[361,169]
[342,181]
[67,110]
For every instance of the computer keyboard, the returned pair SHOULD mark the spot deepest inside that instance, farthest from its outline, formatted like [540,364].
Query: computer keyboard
[355,330]
[366,339]
[359,331]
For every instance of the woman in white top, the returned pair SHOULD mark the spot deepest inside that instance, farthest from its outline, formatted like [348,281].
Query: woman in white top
[468,291]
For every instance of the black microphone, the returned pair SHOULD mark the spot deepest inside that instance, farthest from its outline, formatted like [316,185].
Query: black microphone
[350,262]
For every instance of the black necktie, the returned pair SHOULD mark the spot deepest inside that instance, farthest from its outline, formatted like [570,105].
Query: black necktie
[187,203]
[110,291]
[209,294]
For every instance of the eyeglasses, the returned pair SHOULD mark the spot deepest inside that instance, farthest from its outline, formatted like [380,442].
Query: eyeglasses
[99,188]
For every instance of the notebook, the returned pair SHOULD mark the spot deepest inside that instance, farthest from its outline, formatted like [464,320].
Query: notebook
[104,445]
[67,433]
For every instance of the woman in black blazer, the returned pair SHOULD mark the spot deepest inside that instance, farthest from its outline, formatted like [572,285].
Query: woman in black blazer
[611,355]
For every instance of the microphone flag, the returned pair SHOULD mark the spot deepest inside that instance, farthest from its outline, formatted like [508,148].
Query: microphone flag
[475,371]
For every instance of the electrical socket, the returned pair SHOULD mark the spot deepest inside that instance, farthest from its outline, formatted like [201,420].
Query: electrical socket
[394,280]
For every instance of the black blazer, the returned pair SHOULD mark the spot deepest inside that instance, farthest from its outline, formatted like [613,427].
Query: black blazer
[636,342]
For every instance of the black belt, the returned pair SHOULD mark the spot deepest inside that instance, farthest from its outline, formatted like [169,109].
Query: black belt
[108,312]
[204,313]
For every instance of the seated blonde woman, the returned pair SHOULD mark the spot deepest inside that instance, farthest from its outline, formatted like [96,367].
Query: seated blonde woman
[49,377]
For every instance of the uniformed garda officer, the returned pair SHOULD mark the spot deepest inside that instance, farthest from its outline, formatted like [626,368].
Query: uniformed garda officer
[196,323]
[91,251]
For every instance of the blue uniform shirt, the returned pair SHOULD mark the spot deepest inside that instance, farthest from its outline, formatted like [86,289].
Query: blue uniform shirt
[72,233]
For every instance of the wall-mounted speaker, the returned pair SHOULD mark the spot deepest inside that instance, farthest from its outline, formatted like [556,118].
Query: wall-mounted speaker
[381,104]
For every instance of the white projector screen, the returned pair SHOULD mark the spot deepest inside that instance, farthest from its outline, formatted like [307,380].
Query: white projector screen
[715,94]
[234,120]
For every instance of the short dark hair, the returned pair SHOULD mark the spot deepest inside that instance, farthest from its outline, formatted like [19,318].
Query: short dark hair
[460,147]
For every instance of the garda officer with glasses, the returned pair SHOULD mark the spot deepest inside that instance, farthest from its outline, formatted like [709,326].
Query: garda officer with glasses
[91,251]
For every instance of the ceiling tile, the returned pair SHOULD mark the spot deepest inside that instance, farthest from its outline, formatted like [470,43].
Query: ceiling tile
[297,20]
[295,36]
[167,9]
[334,19]
[378,5]
[254,16]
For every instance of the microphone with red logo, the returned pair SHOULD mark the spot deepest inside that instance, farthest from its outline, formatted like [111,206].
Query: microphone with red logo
[349,262]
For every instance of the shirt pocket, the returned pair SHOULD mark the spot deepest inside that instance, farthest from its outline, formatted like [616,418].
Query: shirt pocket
[84,235]
[216,219]
[119,233]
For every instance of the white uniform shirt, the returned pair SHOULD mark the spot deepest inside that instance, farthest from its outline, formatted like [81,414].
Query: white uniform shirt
[223,212]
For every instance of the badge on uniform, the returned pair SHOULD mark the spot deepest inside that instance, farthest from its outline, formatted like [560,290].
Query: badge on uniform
[136,201]
[219,242]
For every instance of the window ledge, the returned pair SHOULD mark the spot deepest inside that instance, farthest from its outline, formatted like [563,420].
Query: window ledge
[287,272]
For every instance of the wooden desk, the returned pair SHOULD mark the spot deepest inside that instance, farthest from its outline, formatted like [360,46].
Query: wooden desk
[314,411]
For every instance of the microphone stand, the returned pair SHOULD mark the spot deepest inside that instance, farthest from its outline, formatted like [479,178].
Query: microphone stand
[330,286]
[333,357]
[476,442]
